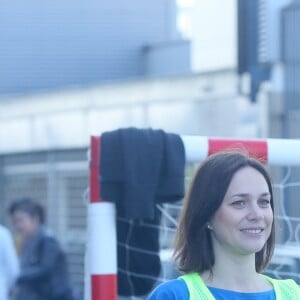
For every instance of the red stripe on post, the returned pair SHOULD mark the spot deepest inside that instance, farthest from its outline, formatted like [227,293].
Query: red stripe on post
[104,287]
[94,169]
[255,148]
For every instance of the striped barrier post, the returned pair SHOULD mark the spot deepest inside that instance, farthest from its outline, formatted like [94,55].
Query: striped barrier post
[102,242]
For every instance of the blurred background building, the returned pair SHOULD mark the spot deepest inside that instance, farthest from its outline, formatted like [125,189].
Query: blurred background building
[53,45]
[71,69]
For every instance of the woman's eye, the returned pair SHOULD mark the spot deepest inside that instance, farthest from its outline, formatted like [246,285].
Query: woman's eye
[238,203]
[264,202]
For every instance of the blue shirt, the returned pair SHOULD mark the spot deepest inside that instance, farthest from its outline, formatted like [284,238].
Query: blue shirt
[176,289]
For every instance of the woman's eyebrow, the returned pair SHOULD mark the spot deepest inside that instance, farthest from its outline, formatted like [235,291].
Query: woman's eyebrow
[267,194]
[240,195]
[247,194]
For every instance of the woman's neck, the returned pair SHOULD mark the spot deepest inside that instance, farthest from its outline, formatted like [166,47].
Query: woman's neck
[236,273]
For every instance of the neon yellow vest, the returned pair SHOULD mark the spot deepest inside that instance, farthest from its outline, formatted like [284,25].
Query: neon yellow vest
[284,289]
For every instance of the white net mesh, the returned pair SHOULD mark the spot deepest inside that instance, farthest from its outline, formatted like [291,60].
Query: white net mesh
[286,259]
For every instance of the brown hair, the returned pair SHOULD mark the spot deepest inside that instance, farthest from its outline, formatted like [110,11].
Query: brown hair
[193,247]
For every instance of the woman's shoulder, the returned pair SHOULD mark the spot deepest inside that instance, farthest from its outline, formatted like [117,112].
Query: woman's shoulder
[287,288]
[174,289]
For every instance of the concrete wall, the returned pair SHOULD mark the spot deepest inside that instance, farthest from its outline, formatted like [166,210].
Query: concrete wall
[203,104]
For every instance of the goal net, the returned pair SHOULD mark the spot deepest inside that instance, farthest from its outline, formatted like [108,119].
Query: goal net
[282,158]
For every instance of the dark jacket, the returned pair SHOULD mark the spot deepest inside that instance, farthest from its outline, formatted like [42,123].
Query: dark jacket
[43,270]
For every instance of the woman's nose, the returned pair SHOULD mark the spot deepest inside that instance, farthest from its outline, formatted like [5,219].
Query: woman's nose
[255,213]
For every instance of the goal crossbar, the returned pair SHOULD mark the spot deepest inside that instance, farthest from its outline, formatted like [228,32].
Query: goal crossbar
[270,150]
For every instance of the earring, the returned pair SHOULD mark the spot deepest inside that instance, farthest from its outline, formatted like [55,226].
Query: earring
[209,227]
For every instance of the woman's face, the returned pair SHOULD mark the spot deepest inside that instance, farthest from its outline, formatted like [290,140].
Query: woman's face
[25,224]
[243,222]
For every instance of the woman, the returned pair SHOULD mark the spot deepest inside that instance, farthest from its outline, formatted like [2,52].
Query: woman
[43,265]
[225,237]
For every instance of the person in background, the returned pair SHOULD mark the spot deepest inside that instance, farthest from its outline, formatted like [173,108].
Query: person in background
[43,264]
[9,264]
[225,238]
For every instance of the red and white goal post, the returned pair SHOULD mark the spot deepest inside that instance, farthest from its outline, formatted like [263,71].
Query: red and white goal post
[101,256]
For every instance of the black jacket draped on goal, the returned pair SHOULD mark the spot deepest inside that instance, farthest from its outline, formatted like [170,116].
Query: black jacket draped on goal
[138,169]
